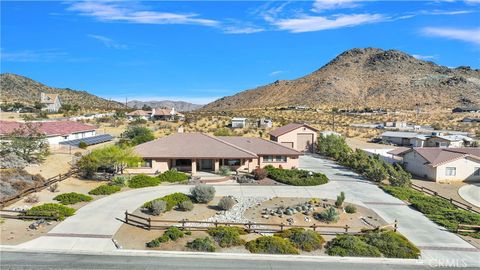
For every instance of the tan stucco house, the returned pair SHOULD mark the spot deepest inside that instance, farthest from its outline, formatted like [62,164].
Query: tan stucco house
[442,164]
[192,152]
[300,137]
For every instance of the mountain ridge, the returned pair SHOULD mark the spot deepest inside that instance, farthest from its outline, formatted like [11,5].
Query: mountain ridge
[179,105]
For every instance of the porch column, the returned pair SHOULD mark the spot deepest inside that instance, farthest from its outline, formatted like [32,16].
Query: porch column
[194,166]
[217,165]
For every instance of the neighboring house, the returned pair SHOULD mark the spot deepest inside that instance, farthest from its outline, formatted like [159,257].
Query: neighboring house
[55,131]
[264,123]
[192,152]
[300,137]
[139,114]
[51,102]
[442,164]
[238,122]
[398,138]
[165,114]
[466,109]
[435,139]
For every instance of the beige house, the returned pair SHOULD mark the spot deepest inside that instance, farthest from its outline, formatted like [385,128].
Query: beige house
[442,164]
[51,102]
[192,152]
[300,137]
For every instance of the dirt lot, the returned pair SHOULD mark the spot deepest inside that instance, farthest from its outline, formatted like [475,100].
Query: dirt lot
[14,231]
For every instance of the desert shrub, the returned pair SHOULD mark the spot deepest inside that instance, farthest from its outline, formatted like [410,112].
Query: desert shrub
[330,215]
[203,193]
[53,187]
[157,207]
[186,206]
[306,240]
[120,180]
[227,236]
[172,233]
[172,200]
[224,170]
[271,245]
[83,145]
[135,135]
[226,203]
[392,244]
[296,177]
[223,132]
[340,200]
[202,244]
[352,246]
[72,198]
[259,174]
[32,198]
[51,210]
[104,190]
[12,161]
[350,209]
[173,176]
[142,180]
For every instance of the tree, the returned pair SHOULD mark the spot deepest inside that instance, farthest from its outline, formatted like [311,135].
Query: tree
[69,109]
[114,157]
[39,106]
[27,142]
[137,135]
[145,107]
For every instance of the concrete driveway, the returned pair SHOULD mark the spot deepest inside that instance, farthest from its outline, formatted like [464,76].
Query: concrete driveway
[92,227]
[471,194]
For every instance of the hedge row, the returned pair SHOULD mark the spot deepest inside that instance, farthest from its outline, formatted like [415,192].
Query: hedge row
[172,200]
[51,210]
[296,177]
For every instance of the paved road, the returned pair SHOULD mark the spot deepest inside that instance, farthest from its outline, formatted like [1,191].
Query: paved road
[38,261]
[93,225]
[471,194]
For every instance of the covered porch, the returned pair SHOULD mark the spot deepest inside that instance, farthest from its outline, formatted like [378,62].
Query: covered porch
[210,165]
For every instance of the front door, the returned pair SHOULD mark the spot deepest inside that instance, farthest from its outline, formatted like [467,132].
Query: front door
[206,165]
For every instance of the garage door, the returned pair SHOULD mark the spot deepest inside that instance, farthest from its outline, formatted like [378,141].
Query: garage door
[305,142]
[287,144]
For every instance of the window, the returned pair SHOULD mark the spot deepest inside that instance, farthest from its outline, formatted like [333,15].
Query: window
[275,159]
[476,171]
[232,162]
[280,159]
[450,171]
[183,162]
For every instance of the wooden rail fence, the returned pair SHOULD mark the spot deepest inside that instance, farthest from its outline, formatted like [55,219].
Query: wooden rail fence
[60,177]
[468,228]
[153,224]
[456,203]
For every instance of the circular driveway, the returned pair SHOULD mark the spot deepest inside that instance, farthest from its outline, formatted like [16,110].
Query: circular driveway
[470,193]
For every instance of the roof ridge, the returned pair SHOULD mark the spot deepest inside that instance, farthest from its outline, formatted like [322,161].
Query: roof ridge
[278,144]
[229,144]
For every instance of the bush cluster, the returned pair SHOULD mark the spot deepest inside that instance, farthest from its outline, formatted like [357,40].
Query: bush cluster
[340,200]
[350,209]
[142,180]
[172,233]
[173,176]
[186,206]
[203,193]
[439,210]
[306,240]
[224,170]
[202,244]
[51,210]
[271,245]
[171,201]
[259,173]
[351,246]
[296,177]
[120,180]
[330,215]
[227,236]
[226,203]
[157,207]
[104,190]
[72,198]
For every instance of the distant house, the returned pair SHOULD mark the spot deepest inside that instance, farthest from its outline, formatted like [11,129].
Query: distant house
[193,152]
[434,139]
[239,122]
[442,164]
[300,137]
[139,114]
[398,138]
[264,123]
[466,109]
[51,102]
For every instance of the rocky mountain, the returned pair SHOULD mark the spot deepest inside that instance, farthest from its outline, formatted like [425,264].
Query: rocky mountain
[181,106]
[367,77]
[16,88]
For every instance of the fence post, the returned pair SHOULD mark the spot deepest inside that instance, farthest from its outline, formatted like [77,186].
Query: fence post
[59,176]
[346,228]
[149,223]
[216,223]
[314,226]
[183,223]
[451,200]
[126,216]
[395,226]
[281,226]
[249,224]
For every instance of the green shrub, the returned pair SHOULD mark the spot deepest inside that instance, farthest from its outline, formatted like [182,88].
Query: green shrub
[172,200]
[350,209]
[83,145]
[186,206]
[296,177]
[352,246]
[306,240]
[142,180]
[224,170]
[259,174]
[120,180]
[72,198]
[51,210]
[226,203]
[340,200]
[392,245]
[157,207]
[173,176]
[330,215]
[202,244]
[227,236]
[104,190]
[172,233]
[203,193]
[271,245]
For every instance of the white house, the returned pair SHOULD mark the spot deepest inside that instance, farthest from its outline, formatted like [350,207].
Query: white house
[239,122]
[434,139]
[51,101]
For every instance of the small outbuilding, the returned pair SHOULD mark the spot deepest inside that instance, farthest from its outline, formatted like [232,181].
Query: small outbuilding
[300,137]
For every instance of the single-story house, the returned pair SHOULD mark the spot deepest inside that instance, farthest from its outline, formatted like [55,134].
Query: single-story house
[239,122]
[442,164]
[440,140]
[51,102]
[398,138]
[139,114]
[466,109]
[192,152]
[264,123]
[166,114]
[300,137]
[55,131]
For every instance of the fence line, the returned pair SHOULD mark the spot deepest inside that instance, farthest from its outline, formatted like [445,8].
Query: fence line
[149,224]
[60,177]
[468,228]
[456,203]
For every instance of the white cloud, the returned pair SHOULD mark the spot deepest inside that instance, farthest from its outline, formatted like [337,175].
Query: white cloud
[32,55]
[242,30]
[321,5]
[424,57]
[123,12]
[275,73]
[318,23]
[466,35]
[108,42]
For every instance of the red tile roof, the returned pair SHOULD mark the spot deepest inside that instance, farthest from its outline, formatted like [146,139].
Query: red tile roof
[287,128]
[50,128]
[139,113]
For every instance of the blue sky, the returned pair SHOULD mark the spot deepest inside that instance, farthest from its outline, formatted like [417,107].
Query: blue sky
[201,50]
